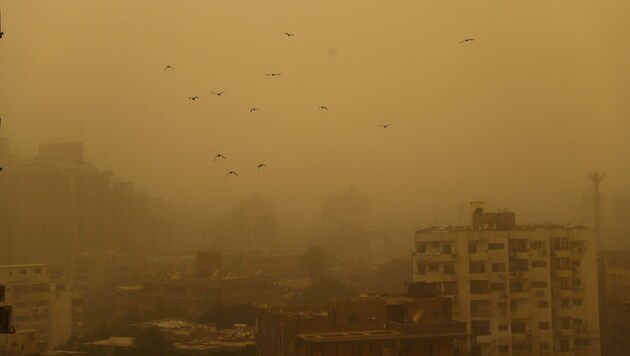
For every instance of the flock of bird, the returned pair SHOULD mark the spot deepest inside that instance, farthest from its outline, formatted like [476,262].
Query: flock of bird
[254,109]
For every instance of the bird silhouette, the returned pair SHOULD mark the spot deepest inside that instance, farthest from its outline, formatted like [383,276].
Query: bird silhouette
[218,156]
[385,126]
[169,67]
[193,98]
[218,94]
[466,40]
[323,107]
[261,165]
[289,34]
[272,74]
[1,168]
[254,109]
[231,172]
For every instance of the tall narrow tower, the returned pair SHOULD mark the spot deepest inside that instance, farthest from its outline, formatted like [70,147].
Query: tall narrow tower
[596,178]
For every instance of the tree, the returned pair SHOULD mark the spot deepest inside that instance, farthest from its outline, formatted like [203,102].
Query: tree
[316,262]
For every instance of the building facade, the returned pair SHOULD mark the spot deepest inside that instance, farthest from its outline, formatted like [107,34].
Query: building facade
[41,302]
[522,290]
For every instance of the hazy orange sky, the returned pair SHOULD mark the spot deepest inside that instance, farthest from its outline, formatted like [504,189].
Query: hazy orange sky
[520,114]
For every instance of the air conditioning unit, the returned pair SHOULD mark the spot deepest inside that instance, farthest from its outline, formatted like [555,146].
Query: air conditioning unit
[543,252]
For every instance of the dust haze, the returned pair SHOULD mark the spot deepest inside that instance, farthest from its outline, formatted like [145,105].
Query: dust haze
[518,115]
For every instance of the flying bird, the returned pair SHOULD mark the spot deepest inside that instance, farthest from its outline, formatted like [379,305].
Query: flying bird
[261,165]
[385,126]
[169,67]
[231,172]
[218,156]
[289,34]
[193,98]
[467,40]
[218,94]
[254,109]
[272,74]
[323,107]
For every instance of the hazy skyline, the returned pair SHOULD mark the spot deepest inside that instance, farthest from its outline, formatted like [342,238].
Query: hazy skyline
[520,115]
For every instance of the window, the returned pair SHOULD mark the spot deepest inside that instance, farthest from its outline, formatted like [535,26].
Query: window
[537,244]
[422,269]
[564,345]
[504,349]
[472,247]
[497,287]
[577,322]
[543,325]
[566,323]
[539,284]
[514,306]
[479,287]
[503,327]
[501,305]
[560,244]
[576,282]
[544,346]
[518,328]
[477,267]
[433,267]
[521,265]
[543,304]
[496,246]
[498,267]
[536,264]
[516,287]
[565,303]
[421,247]
[564,284]
[22,271]
[449,268]
[480,327]
[577,301]
[450,288]
[447,248]
[582,342]
[38,270]
[561,263]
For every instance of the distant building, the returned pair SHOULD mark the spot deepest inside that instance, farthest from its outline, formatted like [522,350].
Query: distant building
[252,225]
[522,290]
[21,343]
[346,211]
[42,302]
[402,325]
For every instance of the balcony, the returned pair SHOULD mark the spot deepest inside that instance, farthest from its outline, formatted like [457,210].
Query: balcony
[562,273]
[561,253]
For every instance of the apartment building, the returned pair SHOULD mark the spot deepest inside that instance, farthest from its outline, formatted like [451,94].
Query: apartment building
[522,290]
[42,302]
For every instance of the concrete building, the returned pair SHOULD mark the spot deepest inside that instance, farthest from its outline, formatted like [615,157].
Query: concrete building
[413,324]
[23,342]
[522,290]
[252,225]
[41,302]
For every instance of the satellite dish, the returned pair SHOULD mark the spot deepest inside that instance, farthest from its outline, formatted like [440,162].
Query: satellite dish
[417,316]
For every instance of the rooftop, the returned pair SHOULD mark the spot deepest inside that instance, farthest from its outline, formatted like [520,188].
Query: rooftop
[468,228]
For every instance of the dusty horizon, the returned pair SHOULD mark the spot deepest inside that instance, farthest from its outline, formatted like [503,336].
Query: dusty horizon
[519,115]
